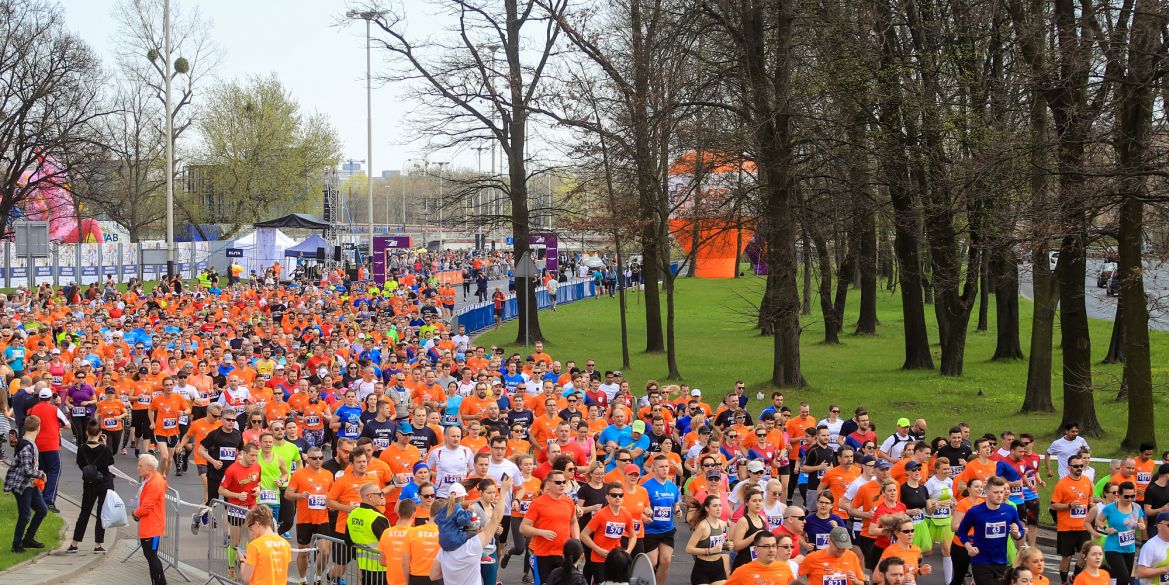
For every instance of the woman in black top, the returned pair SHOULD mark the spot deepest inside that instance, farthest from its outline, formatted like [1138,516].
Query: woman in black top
[96,455]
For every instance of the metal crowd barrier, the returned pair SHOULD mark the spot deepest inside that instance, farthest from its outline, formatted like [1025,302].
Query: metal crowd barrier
[343,562]
[223,557]
[168,550]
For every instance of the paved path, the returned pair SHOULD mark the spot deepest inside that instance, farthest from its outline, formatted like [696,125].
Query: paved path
[1101,306]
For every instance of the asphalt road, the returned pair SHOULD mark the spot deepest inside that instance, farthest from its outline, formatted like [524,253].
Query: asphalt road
[1102,306]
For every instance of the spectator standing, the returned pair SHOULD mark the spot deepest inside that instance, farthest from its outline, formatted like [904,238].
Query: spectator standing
[151,515]
[94,458]
[49,444]
[21,482]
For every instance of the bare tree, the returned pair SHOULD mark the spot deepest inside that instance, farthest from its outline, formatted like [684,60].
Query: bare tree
[471,96]
[50,100]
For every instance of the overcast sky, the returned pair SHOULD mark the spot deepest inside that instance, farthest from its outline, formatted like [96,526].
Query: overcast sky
[322,65]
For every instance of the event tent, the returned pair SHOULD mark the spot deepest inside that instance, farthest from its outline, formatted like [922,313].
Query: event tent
[308,248]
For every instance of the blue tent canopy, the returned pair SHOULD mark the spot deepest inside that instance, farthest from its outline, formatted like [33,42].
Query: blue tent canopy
[308,248]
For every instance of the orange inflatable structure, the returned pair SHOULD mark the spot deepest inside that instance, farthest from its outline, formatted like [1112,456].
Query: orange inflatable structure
[720,240]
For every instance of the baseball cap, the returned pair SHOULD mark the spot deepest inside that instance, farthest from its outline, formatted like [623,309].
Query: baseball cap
[755,466]
[902,422]
[839,537]
[631,469]
[913,466]
[639,426]
[617,373]
[279,366]
[458,491]
[696,392]
[1162,517]
[884,464]
[45,393]
[867,459]
[405,428]
[55,351]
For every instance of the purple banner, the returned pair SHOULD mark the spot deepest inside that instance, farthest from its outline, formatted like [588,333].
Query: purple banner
[549,242]
[381,246]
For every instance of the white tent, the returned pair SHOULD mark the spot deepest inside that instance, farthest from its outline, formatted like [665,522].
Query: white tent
[264,246]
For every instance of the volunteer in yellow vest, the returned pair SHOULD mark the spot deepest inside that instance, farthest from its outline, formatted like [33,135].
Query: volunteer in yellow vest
[267,556]
[365,526]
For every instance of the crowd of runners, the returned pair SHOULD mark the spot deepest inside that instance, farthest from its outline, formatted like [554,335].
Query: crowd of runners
[360,413]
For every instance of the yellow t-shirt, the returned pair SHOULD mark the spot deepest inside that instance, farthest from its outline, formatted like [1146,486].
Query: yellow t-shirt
[268,556]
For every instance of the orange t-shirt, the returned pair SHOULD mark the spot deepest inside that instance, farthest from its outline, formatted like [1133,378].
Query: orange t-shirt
[1144,476]
[636,500]
[911,556]
[838,478]
[317,484]
[795,433]
[756,573]
[166,414]
[974,469]
[819,564]
[525,492]
[198,431]
[550,513]
[109,415]
[422,543]
[347,490]
[1083,578]
[393,545]
[1077,494]
[608,529]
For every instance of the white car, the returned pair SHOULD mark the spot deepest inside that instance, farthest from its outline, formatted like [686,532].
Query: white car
[1106,272]
[1052,259]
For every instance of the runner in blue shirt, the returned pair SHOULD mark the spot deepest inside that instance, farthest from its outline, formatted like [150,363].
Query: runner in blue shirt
[664,504]
[347,417]
[992,522]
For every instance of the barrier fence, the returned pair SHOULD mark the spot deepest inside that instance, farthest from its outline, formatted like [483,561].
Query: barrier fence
[86,263]
[349,563]
[227,538]
[480,316]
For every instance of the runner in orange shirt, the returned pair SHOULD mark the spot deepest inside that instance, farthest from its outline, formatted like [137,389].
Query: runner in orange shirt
[394,542]
[196,432]
[421,551]
[164,414]
[111,414]
[606,529]
[309,487]
[836,564]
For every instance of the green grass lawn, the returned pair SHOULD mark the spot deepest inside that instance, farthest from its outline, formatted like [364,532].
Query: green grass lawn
[717,345]
[49,533]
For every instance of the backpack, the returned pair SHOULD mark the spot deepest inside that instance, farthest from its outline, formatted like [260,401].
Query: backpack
[90,474]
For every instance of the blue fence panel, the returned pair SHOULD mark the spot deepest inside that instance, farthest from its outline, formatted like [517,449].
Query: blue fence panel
[480,316]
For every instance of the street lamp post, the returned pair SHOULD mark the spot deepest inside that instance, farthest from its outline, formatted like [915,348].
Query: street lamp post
[170,145]
[368,16]
[441,228]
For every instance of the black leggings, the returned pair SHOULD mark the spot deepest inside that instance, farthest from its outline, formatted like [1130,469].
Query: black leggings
[544,566]
[960,559]
[114,441]
[150,551]
[92,497]
[1120,566]
[79,424]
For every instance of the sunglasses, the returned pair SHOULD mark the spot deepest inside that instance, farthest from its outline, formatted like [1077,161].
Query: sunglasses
[757,472]
[623,461]
[785,546]
[427,496]
[315,458]
[1129,496]
[617,495]
[559,481]
[834,411]
[800,518]
[1076,466]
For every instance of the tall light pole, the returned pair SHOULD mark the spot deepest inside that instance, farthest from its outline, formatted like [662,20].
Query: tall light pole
[368,16]
[404,165]
[170,144]
[441,228]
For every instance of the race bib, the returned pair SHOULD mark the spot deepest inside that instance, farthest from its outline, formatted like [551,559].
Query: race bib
[350,429]
[942,510]
[227,453]
[170,423]
[614,529]
[662,513]
[1144,476]
[524,505]
[109,423]
[58,379]
[774,522]
[1078,511]
[381,442]
[1016,490]
[822,540]
[452,479]
[80,411]
[143,399]
[450,419]
[995,530]
[1126,537]
[956,470]
[637,526]
[835,579]
[820,474]
[316,502]
[312,421]
[269,497]
[916,516]
[754,555]
[184,419]
[237,512]
[1165,578]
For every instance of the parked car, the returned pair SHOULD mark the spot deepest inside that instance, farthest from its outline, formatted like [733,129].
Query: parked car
[1106,272]
[1113,285]
[1052,259]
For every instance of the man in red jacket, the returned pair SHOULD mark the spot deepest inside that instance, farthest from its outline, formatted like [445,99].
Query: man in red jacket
[151,515]
[49,443]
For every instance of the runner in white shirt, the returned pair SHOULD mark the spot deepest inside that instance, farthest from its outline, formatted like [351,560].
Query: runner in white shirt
[1152,566]
[462,341]
[451,463]
[834,424]
[365,385]
[498,467]
[1063,448]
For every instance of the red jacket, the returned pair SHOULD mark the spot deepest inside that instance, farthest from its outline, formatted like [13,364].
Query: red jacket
[151,511]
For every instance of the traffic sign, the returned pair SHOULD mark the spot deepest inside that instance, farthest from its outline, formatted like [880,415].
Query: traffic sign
[526,267]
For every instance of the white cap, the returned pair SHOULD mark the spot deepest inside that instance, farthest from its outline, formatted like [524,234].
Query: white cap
[696,392]
[457,491]
[755,466]
[45,393]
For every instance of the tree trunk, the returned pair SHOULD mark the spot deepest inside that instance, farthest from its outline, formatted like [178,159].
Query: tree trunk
[621,301]
[1115,353]
[806,302]
[1005,269]
[833,321]
[1135,105]
[895,168]
[863,240]
[1037,397]
[983,293]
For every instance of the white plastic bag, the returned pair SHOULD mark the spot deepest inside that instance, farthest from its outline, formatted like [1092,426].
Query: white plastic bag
[113,511]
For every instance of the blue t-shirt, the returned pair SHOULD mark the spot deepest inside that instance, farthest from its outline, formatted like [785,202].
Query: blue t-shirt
[992,530]
[643,444]
[1125,538]
[1009,473]
[817,529]
[512,380]
[350,421]
[622,437]
[663,497]
[450,415]
[14,356]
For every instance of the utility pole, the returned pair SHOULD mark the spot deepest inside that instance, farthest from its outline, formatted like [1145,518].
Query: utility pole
[170,144]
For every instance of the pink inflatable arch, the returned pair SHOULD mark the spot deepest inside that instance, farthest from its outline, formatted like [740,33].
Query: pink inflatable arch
[51,201]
